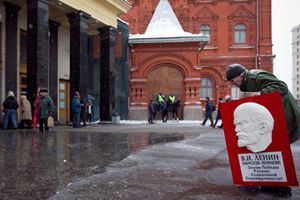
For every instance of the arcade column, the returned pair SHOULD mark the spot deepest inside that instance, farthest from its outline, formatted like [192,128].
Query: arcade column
[107,72]
[37,45]
[11,34]
[78,53]
[53,63]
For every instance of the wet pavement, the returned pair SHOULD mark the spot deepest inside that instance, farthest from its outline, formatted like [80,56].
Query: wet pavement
[128,161]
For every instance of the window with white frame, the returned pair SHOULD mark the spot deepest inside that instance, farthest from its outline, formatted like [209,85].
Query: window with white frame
[240,34]
[205,30]
[235,92]
[207,86]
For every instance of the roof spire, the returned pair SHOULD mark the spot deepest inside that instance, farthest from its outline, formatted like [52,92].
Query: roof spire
[164,21]
[164,27]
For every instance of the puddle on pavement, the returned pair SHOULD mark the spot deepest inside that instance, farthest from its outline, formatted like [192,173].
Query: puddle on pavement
[36,166]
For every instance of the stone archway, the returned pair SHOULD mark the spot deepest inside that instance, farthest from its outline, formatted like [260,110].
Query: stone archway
[167,80]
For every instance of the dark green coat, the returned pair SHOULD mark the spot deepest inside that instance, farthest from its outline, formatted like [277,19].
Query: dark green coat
[45,107]
[265,82]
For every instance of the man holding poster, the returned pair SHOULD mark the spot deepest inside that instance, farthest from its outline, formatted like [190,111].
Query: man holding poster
[272,163]
[263,82]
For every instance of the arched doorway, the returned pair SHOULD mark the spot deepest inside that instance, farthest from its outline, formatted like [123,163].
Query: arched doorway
[167,80]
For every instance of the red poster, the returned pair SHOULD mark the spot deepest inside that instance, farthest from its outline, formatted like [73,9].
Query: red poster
[257,142]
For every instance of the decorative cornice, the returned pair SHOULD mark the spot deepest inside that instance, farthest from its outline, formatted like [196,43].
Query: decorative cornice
[192,79]
[197,2]
[200,38]
[136,80]
[180,57]
[241,13]
[241,1]
[205,14]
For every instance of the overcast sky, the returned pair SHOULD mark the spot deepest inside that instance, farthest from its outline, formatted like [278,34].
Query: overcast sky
[285,16]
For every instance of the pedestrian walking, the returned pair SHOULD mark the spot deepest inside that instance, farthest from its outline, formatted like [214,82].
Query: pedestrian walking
[10,106]
[76,108]
[45,109]
[25,115]
[152,110]
[220,100]
[227,99]
[208,113]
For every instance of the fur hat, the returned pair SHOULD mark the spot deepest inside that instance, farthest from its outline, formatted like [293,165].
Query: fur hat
[76,94]
[10,94]
[43,90]
[234,70]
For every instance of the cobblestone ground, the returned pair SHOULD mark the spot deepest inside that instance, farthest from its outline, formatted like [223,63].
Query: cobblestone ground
[128,161]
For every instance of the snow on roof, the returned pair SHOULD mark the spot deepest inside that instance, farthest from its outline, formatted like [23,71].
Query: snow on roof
[165,27]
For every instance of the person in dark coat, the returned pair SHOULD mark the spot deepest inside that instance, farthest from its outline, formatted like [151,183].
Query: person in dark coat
[161,102]
[45,109]
[220,100]
[76,109]
[227,99]
[152,111]
[208,113]
[262,82]
[10,106]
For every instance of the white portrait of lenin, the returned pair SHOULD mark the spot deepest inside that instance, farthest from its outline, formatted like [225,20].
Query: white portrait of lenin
[253,126]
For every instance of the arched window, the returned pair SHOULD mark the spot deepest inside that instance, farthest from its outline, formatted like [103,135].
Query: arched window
[207,86]
[235,92]
[205,29]
[240,33]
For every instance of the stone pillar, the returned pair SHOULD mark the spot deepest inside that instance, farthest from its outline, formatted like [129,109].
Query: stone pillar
[192,106]
[53,64]
[107,72]
[138,109]
[11,34]
[78,53]
[37,45]
[121,65]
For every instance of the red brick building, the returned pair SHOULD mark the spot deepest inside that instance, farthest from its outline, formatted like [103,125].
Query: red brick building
[239,32]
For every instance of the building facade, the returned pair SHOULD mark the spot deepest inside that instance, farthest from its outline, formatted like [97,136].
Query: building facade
[65,46]
[296,61]
[239,32]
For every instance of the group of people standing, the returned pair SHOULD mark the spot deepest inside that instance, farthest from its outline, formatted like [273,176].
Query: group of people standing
[30,114]
[210,108]
[81,111]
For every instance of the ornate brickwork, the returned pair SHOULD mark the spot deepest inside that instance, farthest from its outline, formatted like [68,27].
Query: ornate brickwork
[193,62]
